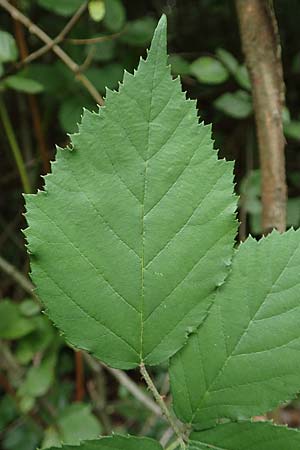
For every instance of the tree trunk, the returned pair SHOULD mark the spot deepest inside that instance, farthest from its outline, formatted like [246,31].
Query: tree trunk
[261,46]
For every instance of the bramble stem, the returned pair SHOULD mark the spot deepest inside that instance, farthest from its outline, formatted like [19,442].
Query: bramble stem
[14,146]
[174,445]
[162,405]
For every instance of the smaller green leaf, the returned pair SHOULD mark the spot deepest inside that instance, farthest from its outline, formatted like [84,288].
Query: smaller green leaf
[115,442]
[8,47]
[246,436]
[12,324]
[242,77]
[77,423]
[179,65]
[22,84]
[209,70]
[228,60]
[235,104]
[29,308]
[139,32]
[103,51]
[244,360]
[62,7]
[39,378]
[292,130]
[97,9]
[115,15]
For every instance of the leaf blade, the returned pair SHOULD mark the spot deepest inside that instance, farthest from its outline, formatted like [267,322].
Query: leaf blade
[253,333]
[135,210]
[246,436]
[115,442]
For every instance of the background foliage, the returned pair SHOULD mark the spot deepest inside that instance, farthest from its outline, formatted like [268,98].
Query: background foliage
[46,391]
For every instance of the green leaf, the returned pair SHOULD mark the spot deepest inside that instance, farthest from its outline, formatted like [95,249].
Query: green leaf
[246,436]
[292,130]
[39,378]
[235,104]
[139,32]
[62,7]
[209,70]
[128,214]
[116,443]
[228,60]
[244,360]
[179,65]
[75,424]
[242,77]
[12,324]
[115,15]
[103,51]
[70,112]
[97,9]
[8,47]
[23,84]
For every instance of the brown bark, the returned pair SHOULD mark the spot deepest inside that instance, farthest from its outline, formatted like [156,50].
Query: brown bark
[259,35]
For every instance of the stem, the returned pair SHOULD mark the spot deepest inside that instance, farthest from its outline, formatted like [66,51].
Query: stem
[14,146]
[174,445]
[162,405]
[261,46]
[37,31]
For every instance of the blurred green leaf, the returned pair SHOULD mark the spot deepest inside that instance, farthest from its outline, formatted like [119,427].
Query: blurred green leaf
[12,324]
[62,7]
[228,60]
[97,9]
[8,411]
[139,32]
[179,65]
[70,112]
[107,77]
[209,70]
[29,308]
[37,341]
[8,47]
[21,437]
[235,104]
[20,83]
[115,15]
[242,77]
[76,423]
[103,51]
[39,378]
[292,130]
[293,212]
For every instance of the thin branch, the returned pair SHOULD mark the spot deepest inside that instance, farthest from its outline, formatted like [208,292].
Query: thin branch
[24,282]
[125,381]
[57,40]
[72,65]
[162,405]
[96,40]
[16,151]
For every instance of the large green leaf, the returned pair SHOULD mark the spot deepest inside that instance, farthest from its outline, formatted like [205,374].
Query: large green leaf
[246,436]
[135,227]
[115,443]
[245,359]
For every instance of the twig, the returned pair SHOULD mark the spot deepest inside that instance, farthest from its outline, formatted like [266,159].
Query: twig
[10,270]
[125,381]
[162,405]
[80,391]
[32,100]
[174,445]
[57,40]
[34,29]
[14,146]
[95,40]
